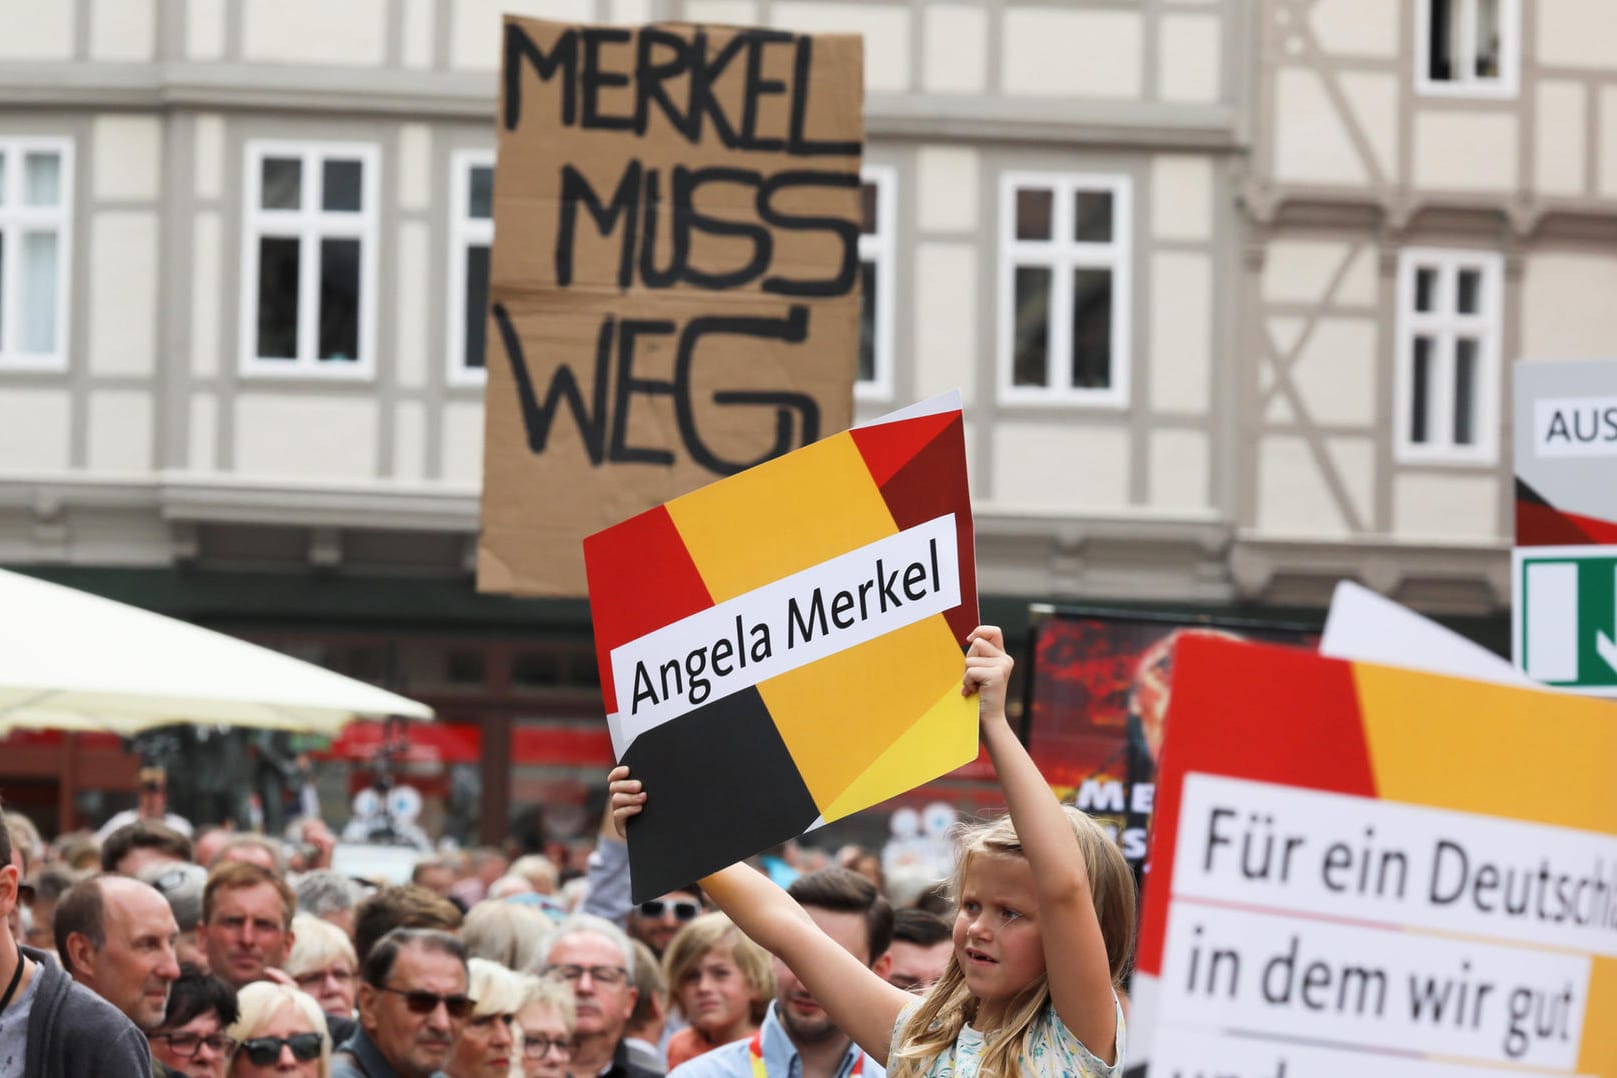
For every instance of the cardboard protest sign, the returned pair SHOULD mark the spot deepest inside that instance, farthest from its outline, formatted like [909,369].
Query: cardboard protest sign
[783,647]
[674,278]
[1360,869]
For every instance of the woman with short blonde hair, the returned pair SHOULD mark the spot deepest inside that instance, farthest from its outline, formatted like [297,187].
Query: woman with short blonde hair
[545,1024]
[275,1024]
[487,1046]
[505,932]
[323,964]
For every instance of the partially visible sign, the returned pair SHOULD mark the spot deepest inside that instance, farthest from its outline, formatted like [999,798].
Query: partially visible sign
[1566,524]
[782,648]
[675,273]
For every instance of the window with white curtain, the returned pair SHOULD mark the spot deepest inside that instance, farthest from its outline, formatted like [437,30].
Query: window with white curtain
[36,216]
[1467,47]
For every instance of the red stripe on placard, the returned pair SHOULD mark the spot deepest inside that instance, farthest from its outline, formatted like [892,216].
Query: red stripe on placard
[641,577]
[1544,525]
[1249,711]
[887,447]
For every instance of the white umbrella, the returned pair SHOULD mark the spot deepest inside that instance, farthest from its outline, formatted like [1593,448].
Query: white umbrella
[74,661]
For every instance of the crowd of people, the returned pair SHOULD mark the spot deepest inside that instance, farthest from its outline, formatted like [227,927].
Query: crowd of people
[149,950]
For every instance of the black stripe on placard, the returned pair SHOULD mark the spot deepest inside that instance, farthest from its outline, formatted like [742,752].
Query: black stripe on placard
[720,786]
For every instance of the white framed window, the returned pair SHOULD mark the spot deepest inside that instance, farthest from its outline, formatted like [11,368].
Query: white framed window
[308,297]
[1064,290]
[877,259]
[471,237]
[1467,48]
[1447,393]
[36,225]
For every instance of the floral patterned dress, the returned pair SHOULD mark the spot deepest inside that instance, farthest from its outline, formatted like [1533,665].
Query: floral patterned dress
[1053,1051]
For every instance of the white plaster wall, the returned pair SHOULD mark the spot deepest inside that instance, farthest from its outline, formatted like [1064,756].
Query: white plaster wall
[947,297]
[418,26]
[954,45]
[1311,140]
[208,155]
[1061,52]
[629,11]
[1180,470]
[409,441]
[352,33]
[122,305]
[1335,372]
[1293,499]
[1181,332]
[1457,151]
[1056,465]
[1607,161]
[474,26]
[1567,308]
[128,156]
[1181,197]
[37,31]
[1460,506]
[1576,33]
[120,431]
[723,12]
[1560,145]
[1190,66]
[207,256]
[35,425]
[463,443]
[1355,28]
[415,167]
[202,448]
[1373,101]
[885,26]
[204,30]
[122,31]
[410,344]
[302,436]
[1301,270]
[946,188]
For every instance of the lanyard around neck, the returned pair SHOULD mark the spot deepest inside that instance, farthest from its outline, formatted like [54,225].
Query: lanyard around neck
[16,979]
[755,1049]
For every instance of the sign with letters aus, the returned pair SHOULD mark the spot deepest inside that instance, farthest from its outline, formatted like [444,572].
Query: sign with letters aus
[1564,573]
[1356,869]
[674,276]
[782,648]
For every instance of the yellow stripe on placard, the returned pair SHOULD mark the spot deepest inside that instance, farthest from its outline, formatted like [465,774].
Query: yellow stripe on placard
[771,521]
[1598,1054]
[838,715]
[942,739]
[1491,749]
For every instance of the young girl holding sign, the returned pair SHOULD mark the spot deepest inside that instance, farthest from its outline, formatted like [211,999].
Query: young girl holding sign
[1043,933]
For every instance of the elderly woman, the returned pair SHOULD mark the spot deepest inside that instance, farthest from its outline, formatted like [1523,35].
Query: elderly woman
[323,964]
[545,1024]
[191,1041]
[487,1043]
[280,1031]
[505,932]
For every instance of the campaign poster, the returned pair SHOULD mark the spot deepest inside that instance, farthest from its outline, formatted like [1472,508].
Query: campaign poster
[674,277]
[1357,869]
[782,648]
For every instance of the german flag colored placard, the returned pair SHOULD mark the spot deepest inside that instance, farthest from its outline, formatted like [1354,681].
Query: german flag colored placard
[1361,870]
[782,648]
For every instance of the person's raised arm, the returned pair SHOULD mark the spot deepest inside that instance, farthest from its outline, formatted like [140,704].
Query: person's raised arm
[1074,949]
[859,1002]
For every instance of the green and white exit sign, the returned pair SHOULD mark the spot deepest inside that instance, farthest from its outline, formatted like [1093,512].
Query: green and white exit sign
[1564,616]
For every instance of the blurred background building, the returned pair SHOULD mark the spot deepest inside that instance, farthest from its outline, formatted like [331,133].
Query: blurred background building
[1231,287]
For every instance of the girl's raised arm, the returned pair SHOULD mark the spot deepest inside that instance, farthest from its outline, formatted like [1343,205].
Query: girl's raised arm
[860,1003]
[1074,949]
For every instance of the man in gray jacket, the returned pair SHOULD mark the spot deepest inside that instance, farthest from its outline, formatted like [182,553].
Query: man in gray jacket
[50,1026]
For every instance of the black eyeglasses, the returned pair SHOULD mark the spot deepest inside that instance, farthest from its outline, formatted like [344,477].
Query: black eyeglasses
[537,1046]
[264,1051]
[189,1044]
[598,974]
[683,911]
[427,1002]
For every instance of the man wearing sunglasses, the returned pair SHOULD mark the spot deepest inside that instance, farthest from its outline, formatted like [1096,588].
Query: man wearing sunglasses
[412,1007]
[656,922]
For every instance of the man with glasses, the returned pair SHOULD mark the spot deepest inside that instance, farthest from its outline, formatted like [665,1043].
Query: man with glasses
[595,959]
[412,1007]
[656,922]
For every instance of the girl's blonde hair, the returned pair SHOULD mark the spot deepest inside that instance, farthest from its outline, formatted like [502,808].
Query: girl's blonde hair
[937,1022]
[261,1001]
[715,930]
[316,944]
